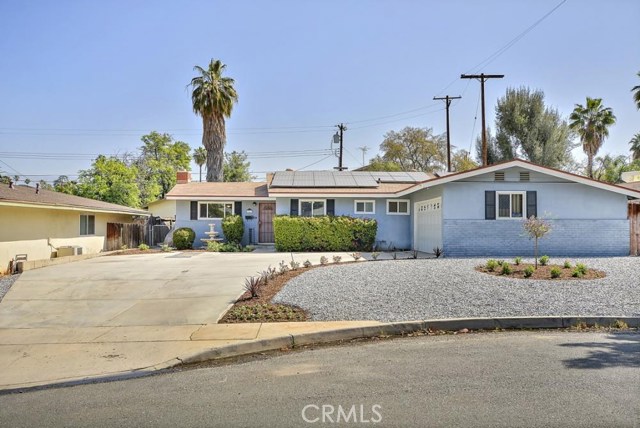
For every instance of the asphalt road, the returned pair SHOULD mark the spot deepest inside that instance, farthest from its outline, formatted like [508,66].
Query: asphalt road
[532,379]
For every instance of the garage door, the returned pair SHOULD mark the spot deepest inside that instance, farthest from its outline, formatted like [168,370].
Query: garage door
[428,225]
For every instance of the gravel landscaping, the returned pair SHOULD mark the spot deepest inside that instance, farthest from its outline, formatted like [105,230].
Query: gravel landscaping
[402,290]
[5,284]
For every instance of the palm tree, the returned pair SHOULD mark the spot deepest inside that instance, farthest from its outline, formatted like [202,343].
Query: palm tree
[213,97]
[200,157]
[635,147]
[591,122]
[636,94]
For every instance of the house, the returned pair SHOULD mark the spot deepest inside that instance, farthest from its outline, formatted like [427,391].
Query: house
[163,209]
[471,213]
[39,223]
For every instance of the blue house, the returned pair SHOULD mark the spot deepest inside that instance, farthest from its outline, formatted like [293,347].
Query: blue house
[472,213]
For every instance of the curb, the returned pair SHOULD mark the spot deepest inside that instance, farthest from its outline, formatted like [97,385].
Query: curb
[339,335]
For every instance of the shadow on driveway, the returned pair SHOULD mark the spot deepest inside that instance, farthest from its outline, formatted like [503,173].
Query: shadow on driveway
[622,351]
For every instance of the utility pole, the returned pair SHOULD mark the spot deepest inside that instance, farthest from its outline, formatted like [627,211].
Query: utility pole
[364,150]
[341,129]
[448,99]
[483,78]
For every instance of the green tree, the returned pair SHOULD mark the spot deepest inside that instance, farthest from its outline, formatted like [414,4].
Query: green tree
[110,180]
[160,158]
[236,167]
[200,158]
[635,146]
[379,164]
[62,184]
[5,179]
[526,128]
[213,97]
[497,150]
[415,149]
[636,94]
[591,122]
[609,168]
[461,161]
[45,186]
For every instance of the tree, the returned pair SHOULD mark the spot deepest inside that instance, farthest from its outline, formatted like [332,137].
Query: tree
[536,228]
[62,184]
[636,94]
[592,122]
[526,128]
[379,164]
[160,158]
[213,97]
[45,186]
[5,179]
[635,146]
[610,168]
[461,161]
[497,151]
[110,180]
[236,167]
[200,158]
[415,149]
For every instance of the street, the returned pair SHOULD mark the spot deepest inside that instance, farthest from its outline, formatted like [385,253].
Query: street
[532,379]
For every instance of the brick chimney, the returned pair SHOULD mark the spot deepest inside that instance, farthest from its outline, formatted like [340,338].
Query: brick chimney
[183,177]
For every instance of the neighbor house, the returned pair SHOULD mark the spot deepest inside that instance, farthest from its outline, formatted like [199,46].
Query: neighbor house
[41,224]
[471,213]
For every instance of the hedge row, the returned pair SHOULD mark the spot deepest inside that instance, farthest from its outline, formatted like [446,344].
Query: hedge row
[325,233]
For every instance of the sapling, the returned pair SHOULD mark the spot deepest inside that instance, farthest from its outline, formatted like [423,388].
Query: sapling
[536,228]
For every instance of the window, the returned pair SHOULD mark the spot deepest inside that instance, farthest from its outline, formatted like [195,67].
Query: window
[87,224]
[364,207]
[310,208]
[511,204]
[208,210]
[398,206]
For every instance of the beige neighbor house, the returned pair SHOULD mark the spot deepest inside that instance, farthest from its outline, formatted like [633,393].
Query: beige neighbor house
[163,208]
[42,224]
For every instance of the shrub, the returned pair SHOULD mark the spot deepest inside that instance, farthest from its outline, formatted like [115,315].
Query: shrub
[283,267]
[375,255]
[252,285]
[492,265]
[230,247]
[544,260]
[306,264]
[337,259]
[324,260]
[143,247]
[233,228]
[582,268]
[214,246]
[437,251]
[294,264]
[183,238]
[517,261]
[577,273]
[165,248]
[326,233]
[356,256]
[501,262]
[620,324]
[506,269]
[528,271]
[555,272]
[567,264]
[124,247]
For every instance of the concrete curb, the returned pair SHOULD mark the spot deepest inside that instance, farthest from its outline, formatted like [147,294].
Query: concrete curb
[339,335]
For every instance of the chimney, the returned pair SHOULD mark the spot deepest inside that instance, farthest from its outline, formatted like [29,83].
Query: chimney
[183,177]
[10,184]
[37,188]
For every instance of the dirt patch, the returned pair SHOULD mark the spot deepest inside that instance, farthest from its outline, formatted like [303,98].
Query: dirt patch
[543,272]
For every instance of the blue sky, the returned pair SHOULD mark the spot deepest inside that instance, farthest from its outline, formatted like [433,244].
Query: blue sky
[89,77]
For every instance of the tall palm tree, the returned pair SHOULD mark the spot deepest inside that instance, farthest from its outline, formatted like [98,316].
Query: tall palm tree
[213,97]
[635,147]
[200,157]
[591,122]
[636,94]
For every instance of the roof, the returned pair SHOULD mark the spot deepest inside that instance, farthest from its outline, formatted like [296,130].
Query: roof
[252,190]
[634,185]
[343,179]
[381,189]
[26,195]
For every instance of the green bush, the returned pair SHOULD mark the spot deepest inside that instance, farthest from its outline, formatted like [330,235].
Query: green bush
[555,272]
[528,271]
[230,247]
[214,246]
[506,269]
[143,247]
[326,233]
[577,273]
[582,268]
[492,265]
[544,260]
[567,264]
[183,238]
[518,260]
[233,228]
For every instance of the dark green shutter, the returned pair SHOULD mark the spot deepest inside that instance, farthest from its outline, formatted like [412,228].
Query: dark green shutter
[532,204]
[294,207]
[237,207]
[489,205]
[194,210]
[331,207]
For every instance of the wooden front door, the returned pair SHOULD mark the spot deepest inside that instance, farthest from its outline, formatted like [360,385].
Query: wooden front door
[266,211]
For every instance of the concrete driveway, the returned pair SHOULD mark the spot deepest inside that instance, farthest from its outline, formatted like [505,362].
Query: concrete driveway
[119,313]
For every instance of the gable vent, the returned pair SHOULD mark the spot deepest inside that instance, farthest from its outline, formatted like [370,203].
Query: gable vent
[524,176]
[499,176]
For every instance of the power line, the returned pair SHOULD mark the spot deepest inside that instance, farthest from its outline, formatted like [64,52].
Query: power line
[448,100]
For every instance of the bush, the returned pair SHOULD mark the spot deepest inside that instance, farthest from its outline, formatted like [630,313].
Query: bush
[214,246]
[252,285]
[492,265]
[517,261]
[233,229]
[577,273]
[506,269]
[555,272]
[326,233]
[356,256]
[567,264]
[337,259]
[165,248]
[375,255]
[528,271]
[230,247]
[183,238]
[143,247]
[582,268]
[544,260]
[324,260]
[307,263]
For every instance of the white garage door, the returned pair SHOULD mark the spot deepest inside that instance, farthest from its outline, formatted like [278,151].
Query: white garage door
[428,225]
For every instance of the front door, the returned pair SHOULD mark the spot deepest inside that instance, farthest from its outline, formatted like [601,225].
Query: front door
[266,211]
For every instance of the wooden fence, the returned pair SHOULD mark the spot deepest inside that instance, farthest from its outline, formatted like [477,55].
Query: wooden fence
[634,219]
[120,234]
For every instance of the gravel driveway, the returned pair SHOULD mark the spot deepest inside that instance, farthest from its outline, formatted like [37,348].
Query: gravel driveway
[402,290]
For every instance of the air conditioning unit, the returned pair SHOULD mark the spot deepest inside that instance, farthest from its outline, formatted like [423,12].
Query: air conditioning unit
[71,250]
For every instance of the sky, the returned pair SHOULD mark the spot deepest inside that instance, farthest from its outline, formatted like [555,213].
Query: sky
[81,78]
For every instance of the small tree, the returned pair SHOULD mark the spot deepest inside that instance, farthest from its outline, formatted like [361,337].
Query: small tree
[536,228]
